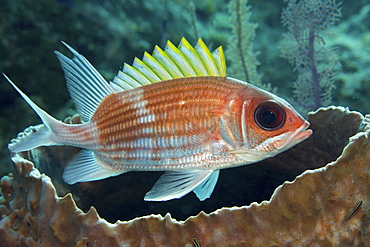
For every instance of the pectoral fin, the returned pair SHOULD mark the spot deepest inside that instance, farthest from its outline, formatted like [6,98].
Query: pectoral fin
[176,184]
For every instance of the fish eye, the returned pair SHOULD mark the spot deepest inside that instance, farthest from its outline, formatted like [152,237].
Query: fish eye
[269,115]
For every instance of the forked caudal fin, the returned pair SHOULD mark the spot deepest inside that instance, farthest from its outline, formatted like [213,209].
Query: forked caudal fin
[41,135]
[86,86]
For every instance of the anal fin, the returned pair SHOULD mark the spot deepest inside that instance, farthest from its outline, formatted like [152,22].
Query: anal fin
[176,184]
[85,167]
[205,189]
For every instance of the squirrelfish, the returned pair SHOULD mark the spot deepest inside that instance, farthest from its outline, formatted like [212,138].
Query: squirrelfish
[173,111]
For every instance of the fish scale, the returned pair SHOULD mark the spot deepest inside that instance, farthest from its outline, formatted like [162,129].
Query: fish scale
[189,127]
[172,116]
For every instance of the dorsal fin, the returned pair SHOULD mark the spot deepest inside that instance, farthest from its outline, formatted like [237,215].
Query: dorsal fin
[86,86]
[173,62]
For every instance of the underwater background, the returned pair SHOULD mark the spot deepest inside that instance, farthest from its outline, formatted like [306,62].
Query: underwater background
[109,33]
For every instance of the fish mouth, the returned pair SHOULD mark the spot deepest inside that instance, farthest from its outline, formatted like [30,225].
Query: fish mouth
[274,145]
[301,134]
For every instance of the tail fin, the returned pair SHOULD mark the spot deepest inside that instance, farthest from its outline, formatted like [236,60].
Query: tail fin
[36,136]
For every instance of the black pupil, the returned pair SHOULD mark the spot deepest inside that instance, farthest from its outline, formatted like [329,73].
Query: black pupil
[269,115]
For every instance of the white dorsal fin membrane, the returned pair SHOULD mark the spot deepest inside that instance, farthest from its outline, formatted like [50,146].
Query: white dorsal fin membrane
[145,70]
[156,67]
[193,56]
[207,58]
[176,184]
[130,82]
[136,74]
[86,86]
[117,88]
[180,60]
[174,62]
[84,167]
[220,61]
[167,63]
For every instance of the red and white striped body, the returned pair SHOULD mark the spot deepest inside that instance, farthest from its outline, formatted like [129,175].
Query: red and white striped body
[179,124]
[186,123]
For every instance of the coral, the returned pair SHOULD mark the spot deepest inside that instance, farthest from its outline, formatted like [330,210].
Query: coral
[304,47]
[328,206]
[244,61]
